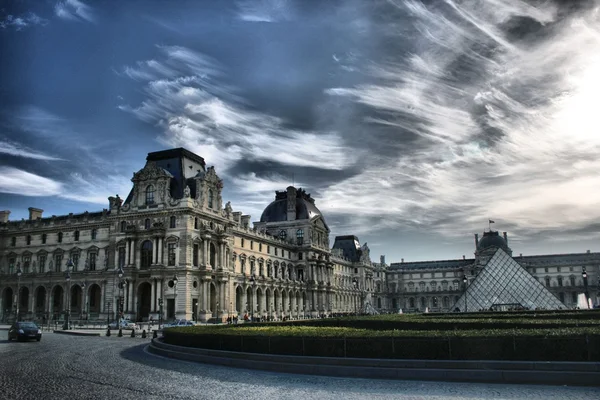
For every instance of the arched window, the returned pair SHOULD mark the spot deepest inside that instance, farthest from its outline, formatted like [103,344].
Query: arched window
[210,198]
[147,223]
[150,194]
[173,222]
[146,254]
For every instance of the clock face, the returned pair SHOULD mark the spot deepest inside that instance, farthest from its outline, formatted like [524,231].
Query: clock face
[282,234]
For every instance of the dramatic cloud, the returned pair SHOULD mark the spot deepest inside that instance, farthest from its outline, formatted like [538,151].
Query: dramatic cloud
[16,181]
[505,128]
[74,10]
[200,113]
[21,22]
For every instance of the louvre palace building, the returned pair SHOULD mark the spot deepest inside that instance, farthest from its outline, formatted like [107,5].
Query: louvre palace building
[173,249]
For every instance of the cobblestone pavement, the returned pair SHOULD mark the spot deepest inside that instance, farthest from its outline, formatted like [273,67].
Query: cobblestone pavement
[79,367]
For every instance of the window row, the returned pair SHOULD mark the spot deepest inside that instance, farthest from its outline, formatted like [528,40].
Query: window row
[275,250]
[56,262]
[59,237]
[151,191]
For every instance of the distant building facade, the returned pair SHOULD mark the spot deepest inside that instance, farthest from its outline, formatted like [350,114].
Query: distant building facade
[172,245]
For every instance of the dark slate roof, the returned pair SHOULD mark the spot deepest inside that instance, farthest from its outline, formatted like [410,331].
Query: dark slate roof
[277,210]
[492,239]
[173,161]
[348,245]
[442,264]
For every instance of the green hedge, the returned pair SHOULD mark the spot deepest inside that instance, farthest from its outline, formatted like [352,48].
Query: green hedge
[517,348]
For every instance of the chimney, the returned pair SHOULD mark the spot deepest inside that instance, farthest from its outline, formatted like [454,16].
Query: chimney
[245,221]
[403,260]
[520,254]
[382,259]
[4,216]
[476,240]
[291,203]
[588,252]
[505,238]
[35,213]
[464,258]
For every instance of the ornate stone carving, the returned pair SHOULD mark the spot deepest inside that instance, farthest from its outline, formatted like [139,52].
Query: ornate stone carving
[150,172]
[187,192]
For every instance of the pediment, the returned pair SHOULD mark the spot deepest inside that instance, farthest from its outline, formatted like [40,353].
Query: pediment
[151,171]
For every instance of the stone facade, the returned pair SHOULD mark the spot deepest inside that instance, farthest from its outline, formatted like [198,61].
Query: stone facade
[173,240]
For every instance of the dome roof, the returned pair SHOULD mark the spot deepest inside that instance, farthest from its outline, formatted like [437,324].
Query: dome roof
[492,239]
[277,210]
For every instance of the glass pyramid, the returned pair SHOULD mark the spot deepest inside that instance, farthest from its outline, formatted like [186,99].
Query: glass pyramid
[503,284]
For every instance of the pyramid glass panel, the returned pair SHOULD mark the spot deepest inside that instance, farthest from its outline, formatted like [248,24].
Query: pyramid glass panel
[503,284]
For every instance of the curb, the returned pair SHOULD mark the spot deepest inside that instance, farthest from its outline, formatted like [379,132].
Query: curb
[75,333]
[545,373]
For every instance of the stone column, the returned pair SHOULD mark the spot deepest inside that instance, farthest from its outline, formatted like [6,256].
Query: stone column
[244,300]
[205,252]
[153,295]
[131,296]
[160,250]
[127,244]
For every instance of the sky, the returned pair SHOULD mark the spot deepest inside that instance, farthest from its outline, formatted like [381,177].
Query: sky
[412,123]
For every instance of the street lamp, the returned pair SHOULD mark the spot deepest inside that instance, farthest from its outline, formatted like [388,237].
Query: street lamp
[465,283]
[355,284]
[175,280]
[304,311]
[83,309]
[69,265]
[585,285]
[19,273]
[217,312]
[252,298]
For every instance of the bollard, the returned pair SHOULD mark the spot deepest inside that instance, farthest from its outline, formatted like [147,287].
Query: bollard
[155,334]
[120,333]
[108,332]
[133,333]
[144,334]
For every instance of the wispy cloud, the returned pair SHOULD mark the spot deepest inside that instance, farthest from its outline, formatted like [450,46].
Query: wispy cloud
[505,128]
[74,10]
[264,10]
[15,149]
[17,181]
[22,22]
[199,112]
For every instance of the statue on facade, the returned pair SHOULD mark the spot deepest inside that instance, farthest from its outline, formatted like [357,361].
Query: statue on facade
[187,192]
[50,266]
[228,209]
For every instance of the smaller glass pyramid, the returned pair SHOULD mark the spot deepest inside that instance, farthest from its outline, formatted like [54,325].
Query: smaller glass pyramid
[503,284]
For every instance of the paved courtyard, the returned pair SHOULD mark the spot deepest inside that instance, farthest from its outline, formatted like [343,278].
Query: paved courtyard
[62,366]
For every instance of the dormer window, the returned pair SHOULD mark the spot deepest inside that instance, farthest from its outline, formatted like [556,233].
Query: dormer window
[150,194]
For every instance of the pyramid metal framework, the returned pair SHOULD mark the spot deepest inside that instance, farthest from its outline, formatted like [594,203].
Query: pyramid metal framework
[503,283]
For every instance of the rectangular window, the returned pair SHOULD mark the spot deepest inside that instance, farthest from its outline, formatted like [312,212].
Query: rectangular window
[11,266]
[300,256]
[121,257]
[13,241]
[243,263]
[171,253]
[173,222]
[75,260]
[275,250]
[268,249]
[251,245]
[57,262]
[195,255]
[44,236]
[76,236]
[42,261]
[92,265]
[26,263]
[242,241]
[260,247]
[94,234]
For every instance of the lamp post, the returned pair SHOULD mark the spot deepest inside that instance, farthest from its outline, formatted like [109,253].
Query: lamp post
[83,309]
[465,283]
[230,312]
[585,287]
[252,302]
[217,312]
[68,279]
[304,311]
[175,280]
[19,272]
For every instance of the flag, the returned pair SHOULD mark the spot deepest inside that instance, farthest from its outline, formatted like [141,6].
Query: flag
[492,222]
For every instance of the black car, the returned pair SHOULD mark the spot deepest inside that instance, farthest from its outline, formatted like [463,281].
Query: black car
[24,331]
